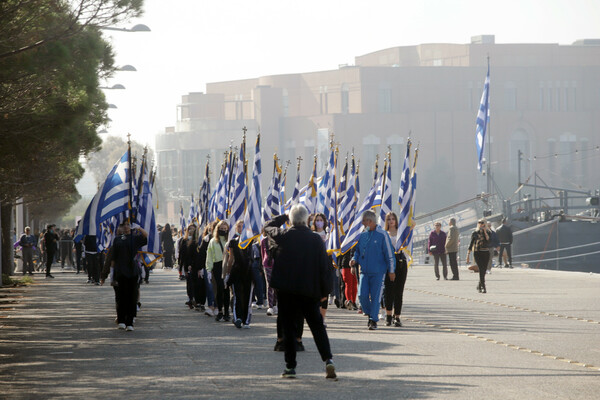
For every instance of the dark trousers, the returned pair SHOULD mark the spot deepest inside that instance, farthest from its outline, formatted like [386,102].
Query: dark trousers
[481,259]
[49,260]
[259,284]
[436,259]
[242,299]
[168,260]
[93,266]
[78,257]
[453,264]
[126,297]
[27,260]
[292,305]
[507,247]
[222,295]
[394,291]
[198,288]
[299,324]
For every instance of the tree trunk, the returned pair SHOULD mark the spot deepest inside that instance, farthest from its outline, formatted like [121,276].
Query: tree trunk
[7,250]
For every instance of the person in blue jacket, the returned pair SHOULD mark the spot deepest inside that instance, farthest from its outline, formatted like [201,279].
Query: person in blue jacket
[374,255]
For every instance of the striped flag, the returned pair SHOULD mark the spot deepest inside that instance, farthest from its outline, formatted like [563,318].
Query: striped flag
[406,218]
[333,244]
[404,180]
[348,205]
[272,207]
[204,198]
[252,216]
[193,216]
[222,194]
[310,198]
[151,252]
[341,193]
[112,199]
[386,192]
[296,193]
[182,221]
[483,118]
[356,226]
[326,187]
[240,190]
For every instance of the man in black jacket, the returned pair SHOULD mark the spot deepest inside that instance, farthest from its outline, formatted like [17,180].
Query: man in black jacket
[302,279]
[505,237]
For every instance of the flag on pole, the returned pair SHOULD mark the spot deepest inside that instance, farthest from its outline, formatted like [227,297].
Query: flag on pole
[272,207]
[333,243]
[296,193]
[204,198]
[404,180]
[182,222]
[483,118]
[151,252]
[193,216]
[240,190]
[348,205]
[310,198]
[406,219]
[252,216]
[386,191]
[356,226]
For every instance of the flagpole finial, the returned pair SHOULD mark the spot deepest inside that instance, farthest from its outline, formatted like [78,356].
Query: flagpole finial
[129,138]
[245,130]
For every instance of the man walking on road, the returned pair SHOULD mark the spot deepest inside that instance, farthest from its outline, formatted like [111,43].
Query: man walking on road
[51,243]
[302,279]
[505,236]
[375,256]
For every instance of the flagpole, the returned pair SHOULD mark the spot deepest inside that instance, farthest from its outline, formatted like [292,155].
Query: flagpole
[489,135]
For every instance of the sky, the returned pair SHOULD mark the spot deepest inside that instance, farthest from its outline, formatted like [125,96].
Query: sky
[193,42]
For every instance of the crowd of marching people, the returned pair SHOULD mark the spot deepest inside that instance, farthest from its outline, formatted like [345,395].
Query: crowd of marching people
[227,282]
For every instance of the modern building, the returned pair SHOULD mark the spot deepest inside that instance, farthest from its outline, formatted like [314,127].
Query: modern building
[544,101]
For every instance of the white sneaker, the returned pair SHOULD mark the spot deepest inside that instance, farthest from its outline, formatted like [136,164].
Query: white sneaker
[209,312]
[253,304]
[129,328]
[246,326]
[259,306]
[270,311]
[121,326]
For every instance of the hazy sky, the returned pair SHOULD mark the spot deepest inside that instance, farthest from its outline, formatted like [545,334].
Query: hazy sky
[196,41]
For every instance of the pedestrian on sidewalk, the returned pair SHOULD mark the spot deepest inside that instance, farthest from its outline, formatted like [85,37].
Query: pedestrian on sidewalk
[238,276]
[27,243]
[302,278]
[121,258]
[505,236]
[480,244]
[51,247]
[437,248]
[374,255]
[394,290]
[214,269]
[452,242]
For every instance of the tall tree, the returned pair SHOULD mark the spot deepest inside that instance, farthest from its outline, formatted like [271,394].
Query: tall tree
[52,56]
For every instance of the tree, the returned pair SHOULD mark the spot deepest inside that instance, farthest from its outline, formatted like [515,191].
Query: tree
[52,56]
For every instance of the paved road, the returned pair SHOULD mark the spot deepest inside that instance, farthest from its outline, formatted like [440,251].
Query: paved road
[536,334]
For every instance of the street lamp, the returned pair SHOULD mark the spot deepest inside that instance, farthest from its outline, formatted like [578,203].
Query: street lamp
[136,28]
[127,67]
[110,105]
[115,86]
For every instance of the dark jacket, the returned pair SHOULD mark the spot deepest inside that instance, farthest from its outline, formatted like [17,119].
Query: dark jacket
[300,260]
[504,234]
[122,252]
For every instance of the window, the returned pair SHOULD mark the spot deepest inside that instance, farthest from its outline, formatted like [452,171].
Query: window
[345,99]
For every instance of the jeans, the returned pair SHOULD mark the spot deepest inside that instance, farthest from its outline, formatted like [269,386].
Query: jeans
[259,285]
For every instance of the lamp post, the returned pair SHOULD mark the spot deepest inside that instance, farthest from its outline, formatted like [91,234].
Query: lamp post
[116,86]
[135,28]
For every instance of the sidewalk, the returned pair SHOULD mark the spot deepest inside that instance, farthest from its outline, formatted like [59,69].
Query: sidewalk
[536,334]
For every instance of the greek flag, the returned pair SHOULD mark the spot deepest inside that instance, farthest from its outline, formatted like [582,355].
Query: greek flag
[404,180]
[240,192]
[252,217]
[111,199]
[406,221]
[310,194]
[326,187]
[151,252]
[333,244]
[356,226]
[272,207]
[296,193]
[282,193]
[483,118]
[193,217]
[182,219]
[341,193]
[222,195]
[204,198]
[386,193]
[348,205]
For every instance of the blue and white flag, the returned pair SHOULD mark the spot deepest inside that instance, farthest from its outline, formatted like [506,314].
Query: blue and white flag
[252,217]
[326,187]
[296,193]
[272,205]
[386,192]
[204,198]
[309,200]
[356,226]
[341,193]
[193,215]
[406,222]
[404,180]
[111,200]
[348,206]
[151,252]
[222,193]
[333,243]
[240,191]
[182,221]
[483,118]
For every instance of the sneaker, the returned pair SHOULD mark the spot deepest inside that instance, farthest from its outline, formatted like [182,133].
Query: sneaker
[253,304]
[129,328]
[49,276]
[246,326]
[388,320]
[270,311]
[299,346]
[279,346]
[238,323]
[121,326]
[397,322]
[259,306]
[289,373]
[372,325]
[226,318]
[209,312]
[337,302]
[330,371]
[220,318]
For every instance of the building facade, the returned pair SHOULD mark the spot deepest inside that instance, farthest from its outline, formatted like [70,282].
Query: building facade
[544,102]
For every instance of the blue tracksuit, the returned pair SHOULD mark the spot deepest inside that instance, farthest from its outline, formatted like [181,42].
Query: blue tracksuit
[375,255]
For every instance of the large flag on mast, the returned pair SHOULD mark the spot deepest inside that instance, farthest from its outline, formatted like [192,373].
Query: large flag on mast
[483,118]
[386,191]
[406,222]
[252,217]
[240,190]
